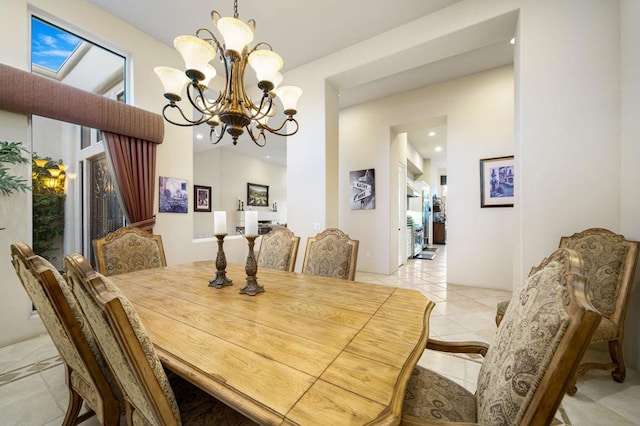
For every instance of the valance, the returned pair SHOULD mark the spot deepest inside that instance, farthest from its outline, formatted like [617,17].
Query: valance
[26,93]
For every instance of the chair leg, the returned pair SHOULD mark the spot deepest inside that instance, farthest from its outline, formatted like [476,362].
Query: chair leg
[615,350]
[73,408]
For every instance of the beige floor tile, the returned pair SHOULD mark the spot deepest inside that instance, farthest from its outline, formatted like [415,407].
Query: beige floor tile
[28,401]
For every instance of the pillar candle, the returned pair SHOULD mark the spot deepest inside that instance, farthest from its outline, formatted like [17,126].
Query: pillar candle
[251,222]
[219,223]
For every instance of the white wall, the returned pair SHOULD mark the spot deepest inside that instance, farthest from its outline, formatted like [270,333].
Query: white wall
[228,173]
[474,131]
[311,162]
[569,142]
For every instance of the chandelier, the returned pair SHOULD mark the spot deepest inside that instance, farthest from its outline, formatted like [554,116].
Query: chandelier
[228,109]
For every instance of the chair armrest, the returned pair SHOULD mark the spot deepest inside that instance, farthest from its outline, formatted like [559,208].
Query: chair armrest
[458,347]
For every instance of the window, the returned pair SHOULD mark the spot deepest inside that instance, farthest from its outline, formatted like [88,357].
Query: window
[87,205]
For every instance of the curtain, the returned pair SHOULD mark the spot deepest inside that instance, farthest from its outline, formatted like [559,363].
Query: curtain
[133,163]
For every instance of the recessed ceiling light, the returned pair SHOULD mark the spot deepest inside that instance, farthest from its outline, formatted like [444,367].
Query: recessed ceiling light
[513,40]
[199,136]
[438,148]
[432,133]
[267,157]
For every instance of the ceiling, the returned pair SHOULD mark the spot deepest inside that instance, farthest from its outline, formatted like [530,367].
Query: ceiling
[302,31]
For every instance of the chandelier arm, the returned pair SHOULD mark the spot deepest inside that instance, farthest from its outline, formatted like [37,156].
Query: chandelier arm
[262,43]
[218,136]
[211,37]
[258,115]
[199,94]
[256,139]
[189,122]
[276,131]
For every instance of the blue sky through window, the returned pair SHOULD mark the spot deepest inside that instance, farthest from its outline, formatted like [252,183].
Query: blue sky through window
[51,46]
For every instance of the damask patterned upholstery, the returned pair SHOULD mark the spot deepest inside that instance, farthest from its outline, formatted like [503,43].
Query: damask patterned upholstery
[610,262]
[432,396]
[128,249]
[150,397]
[279,249]
[87,375]
[331,253]
[527,370]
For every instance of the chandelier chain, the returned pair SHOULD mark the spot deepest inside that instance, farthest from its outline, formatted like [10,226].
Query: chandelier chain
[235,9]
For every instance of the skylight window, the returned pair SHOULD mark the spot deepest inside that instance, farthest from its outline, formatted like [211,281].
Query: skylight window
[51,47]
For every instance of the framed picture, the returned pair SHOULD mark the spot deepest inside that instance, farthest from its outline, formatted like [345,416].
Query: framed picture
[201,198]
[363,189]
[173,195]
[257,195]
[496,182]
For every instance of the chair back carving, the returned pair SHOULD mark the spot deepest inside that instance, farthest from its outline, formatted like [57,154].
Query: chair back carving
[331,253]
[538,345]
[279,249]
[128,249]
[610,264]
[125,344]
[88,376]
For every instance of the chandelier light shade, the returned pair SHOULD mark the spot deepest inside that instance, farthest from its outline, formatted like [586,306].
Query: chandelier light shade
[228,109]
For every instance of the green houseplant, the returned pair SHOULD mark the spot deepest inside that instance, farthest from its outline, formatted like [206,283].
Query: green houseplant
[48,204]
[12,153]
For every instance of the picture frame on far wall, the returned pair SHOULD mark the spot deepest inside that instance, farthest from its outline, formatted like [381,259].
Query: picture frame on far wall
[201,198]
[173,195]
[496,182]
[363,189]
[257,195]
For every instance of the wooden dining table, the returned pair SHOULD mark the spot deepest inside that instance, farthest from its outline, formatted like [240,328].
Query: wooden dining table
[309,350]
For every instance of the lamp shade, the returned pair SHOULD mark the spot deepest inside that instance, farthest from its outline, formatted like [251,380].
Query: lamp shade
[277,80]
[266,64]
[209,73]
[173,80]
[196,52]
[289,96]
[54,172]
[236,34]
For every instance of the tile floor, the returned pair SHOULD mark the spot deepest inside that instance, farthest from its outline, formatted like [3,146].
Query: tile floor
[33,392]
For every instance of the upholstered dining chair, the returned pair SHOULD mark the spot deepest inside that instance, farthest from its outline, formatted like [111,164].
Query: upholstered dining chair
[528,368]
[151,396]
[87,376]
[331,253]
[279,249]
[128,249]
[610,265]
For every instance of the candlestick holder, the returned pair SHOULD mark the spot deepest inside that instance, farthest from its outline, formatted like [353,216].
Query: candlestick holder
[251,286]
[221,279]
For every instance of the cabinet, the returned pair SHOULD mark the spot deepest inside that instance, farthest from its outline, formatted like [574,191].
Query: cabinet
[439,226]
[439,233]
